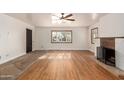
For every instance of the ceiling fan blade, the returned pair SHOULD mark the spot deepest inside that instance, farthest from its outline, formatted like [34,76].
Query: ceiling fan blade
[69,15]
[70,19]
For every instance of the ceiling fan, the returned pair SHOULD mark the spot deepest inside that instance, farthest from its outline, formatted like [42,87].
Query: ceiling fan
[65,17]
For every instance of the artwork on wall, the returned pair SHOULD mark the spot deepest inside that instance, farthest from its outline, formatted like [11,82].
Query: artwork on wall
[61,36]
[94,35]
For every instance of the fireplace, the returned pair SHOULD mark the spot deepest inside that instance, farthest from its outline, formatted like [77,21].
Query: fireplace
[106,55]
[106,51]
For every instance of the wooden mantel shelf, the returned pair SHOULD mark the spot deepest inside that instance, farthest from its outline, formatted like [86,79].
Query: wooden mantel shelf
[108,37]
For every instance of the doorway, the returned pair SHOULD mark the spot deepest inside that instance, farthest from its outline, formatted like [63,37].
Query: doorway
[28,40]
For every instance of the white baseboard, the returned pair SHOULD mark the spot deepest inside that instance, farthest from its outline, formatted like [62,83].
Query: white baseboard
[4,61]
[64,49]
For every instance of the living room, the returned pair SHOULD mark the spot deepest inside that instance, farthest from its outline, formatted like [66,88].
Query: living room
[44,33]
[61,46]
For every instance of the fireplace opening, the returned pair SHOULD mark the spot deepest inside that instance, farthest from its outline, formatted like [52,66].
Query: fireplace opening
[109,55]
[106,55]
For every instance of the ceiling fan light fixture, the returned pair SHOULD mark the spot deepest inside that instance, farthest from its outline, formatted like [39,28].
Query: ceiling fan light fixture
[62,18]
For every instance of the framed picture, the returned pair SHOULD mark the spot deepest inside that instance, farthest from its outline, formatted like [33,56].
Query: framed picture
[61,36]
[94,35]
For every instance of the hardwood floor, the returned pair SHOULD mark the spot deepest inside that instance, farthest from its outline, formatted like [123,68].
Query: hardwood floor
[66,65]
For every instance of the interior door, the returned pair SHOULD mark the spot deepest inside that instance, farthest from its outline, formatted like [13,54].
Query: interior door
[28,40]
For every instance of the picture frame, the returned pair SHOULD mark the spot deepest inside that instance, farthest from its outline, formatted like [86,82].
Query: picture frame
[94,34]
[61,36]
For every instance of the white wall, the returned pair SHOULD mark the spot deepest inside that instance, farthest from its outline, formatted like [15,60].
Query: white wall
[43,39]
[112,25]
[12,37]
[26,17]
[119,47]
[92,47]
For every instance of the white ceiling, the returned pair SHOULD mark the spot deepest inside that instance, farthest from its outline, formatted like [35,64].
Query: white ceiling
[45,19]
[82,20]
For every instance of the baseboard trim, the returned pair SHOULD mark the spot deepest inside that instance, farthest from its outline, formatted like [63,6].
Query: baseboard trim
[4,61]
[62,49]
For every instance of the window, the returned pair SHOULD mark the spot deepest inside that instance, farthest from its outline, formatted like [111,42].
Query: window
[61,36]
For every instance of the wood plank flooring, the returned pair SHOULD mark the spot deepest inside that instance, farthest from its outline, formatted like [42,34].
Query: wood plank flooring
[66,65]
